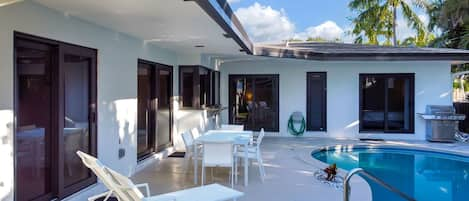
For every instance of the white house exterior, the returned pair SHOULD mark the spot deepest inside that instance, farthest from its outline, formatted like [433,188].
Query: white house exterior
[164,34]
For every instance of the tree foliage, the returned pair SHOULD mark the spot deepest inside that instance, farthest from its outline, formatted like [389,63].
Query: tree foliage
[378,18]
[451,17]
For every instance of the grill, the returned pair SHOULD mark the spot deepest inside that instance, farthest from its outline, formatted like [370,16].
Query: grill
[441,123]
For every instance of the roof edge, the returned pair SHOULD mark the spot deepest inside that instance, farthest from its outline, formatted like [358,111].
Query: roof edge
[305,54]
[221,12]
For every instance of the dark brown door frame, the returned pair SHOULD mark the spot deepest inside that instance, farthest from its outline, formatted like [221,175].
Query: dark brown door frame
[58,189]
[309,96]
[155,69]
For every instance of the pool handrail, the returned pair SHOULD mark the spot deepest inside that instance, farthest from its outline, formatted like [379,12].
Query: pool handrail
[375,179]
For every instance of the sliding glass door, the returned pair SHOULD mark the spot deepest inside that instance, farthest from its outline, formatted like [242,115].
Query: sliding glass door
[35,130]
[56,116]
[254,101]
[145,94]
[154,116]
[387,103]
[78,95]
[164,113]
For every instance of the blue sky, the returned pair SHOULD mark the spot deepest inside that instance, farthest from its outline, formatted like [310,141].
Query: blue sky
[277,20]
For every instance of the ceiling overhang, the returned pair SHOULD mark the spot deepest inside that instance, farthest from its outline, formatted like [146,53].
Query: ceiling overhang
[182,26]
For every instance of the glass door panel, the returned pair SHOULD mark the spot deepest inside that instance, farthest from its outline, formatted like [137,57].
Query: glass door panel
[163,112]
[373,106]
[34,125]
[76,71]
[145,136]
[254,101]
[399,103]
[263,113]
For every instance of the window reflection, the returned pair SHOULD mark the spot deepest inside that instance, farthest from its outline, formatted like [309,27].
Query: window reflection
[254,101]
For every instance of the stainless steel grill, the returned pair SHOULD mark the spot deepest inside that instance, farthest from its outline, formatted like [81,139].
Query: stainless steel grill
[441,123]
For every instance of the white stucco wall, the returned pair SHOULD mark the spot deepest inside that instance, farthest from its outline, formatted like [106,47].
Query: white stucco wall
[433,85]
[117,80]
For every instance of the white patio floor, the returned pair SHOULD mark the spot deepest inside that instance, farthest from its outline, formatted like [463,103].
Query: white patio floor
[289,177]
[289,169]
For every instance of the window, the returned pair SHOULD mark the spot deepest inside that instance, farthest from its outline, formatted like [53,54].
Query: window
[254,101]
[198,86]
[387,103]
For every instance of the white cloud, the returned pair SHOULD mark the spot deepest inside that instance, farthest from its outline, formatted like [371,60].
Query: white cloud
[328,30]
[265,24]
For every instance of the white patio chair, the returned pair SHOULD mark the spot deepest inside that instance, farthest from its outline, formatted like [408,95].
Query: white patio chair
[189,145]
[232,127]
[254,153]
[218,154]
[125,190]
[195,133]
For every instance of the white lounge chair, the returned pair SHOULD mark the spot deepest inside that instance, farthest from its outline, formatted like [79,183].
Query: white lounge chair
[124,189]
[254,153]
[98,169]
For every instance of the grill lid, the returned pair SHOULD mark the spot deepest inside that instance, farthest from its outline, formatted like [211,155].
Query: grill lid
[441,112]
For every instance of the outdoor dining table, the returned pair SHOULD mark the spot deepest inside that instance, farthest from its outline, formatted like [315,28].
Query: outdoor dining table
[242,138]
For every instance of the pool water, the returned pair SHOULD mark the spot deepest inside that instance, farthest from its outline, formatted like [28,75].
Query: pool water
[426,176]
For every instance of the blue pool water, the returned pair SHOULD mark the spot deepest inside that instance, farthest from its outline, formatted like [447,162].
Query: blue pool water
[427,176]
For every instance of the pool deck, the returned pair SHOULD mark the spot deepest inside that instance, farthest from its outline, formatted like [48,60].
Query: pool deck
[289,169]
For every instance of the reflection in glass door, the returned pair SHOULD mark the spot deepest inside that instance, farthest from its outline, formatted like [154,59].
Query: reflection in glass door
[154,115]
[254,101]
[145,95]
[164,112]
[76,66]
[55,106]
[34,125]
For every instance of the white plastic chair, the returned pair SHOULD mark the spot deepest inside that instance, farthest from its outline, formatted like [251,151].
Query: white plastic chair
[195,133]
[232,127]
[189,145]
[254,153]
[218,154]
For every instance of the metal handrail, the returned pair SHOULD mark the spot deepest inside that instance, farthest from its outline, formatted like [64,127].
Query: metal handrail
[375,179]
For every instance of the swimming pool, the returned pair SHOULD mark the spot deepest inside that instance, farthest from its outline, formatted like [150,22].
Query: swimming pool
[426,176]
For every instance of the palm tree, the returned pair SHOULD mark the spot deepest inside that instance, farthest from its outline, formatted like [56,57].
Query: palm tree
[381,16]
[367,23]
